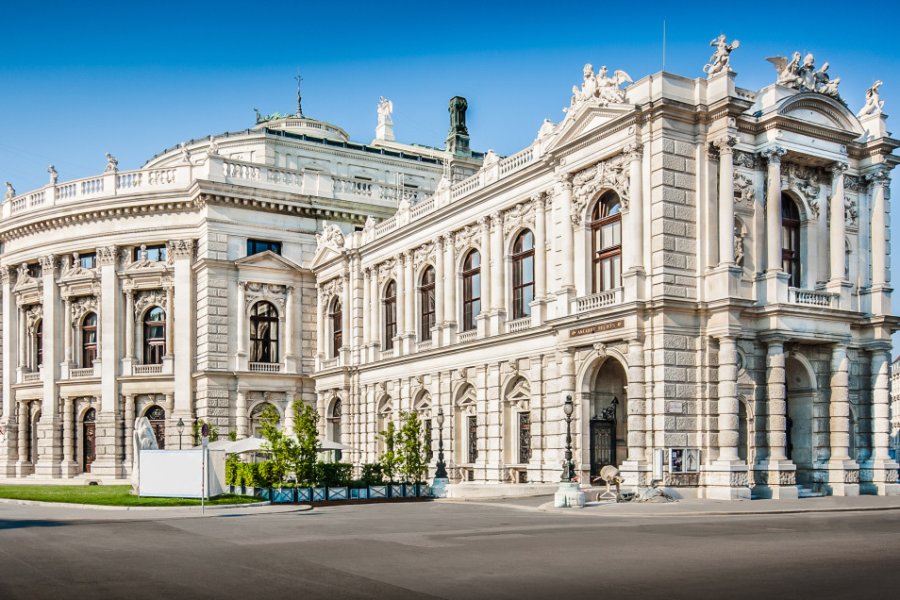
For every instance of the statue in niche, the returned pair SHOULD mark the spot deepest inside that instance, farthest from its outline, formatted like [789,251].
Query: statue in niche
[54,176]
[112,164]
[142,439]
[874,104]
[721,58]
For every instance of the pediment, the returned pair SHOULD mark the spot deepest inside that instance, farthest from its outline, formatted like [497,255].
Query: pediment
[266,260]
[324,254]
[820,110]
[587,117]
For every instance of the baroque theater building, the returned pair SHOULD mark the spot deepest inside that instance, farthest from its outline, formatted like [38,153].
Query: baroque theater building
[179,291]
[702,268]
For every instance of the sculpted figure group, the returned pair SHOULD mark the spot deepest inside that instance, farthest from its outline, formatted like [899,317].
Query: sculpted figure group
[601,86]
[803,75]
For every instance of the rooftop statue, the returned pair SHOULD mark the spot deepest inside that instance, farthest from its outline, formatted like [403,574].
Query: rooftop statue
[803,76]
[457,108]
[600,86]
[54,176]
[721,58]
[213,149]
[10,191]
[331,237]
[385,108]
[112,164]
[874,104]
[261,118]
[185,153]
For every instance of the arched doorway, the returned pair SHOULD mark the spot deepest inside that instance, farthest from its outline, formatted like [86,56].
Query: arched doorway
[799,423]
[157,417]
[608,434]
[89,440]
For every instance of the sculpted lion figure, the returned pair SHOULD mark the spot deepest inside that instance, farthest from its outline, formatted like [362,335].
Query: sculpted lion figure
[143,439]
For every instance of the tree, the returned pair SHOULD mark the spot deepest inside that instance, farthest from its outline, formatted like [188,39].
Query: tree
[389,458]
[282,448]
[412,451]
[306,428]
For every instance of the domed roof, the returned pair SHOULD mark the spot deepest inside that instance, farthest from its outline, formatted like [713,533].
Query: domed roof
[301,125]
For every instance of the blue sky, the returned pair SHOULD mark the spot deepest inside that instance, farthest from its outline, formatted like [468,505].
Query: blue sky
[79,80]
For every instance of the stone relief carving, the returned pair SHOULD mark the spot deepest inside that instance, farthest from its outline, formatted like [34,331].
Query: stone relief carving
[467,236]
[851,476]
[335,287]
[81,306]
[521,214]
[803,76]
[107,255]
[144,300]
[423,254]
[805,180]
[851,214]
[386,270]
[23,277]
[874,104]
[721,58]
[331,237]
[34,314]
[747,160]
[610,174]
[180,249]
[743,185]
[600,86]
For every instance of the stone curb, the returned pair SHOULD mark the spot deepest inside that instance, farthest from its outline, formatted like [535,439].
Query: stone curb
[548,507]
[129,508]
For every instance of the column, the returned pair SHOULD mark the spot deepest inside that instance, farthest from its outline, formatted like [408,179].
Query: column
[401,294]
[9,314]
[354,316]
[728,402]
[408,302]
[23,418]
[773,209]
[498,264]
[170,320]
[726,199]
[880,183]
[633,246]
[836,229]
[374,311]
[23,338]
[451,277]
[540,250]
[129,432]
[289,334]
[241,320]
[882,468]
[567,246]
[129,326]
[777,422]
[366,312]
[438,290]
[183,314]
[68,468]
[486,292]
[49,432]
[110,303]
[839,405]
[242,419]
[636,404]
[346,309]
[67,331]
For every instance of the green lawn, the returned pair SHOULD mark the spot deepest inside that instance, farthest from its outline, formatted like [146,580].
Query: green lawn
[106,495]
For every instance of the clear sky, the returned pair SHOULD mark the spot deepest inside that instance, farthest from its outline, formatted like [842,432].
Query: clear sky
[133,78]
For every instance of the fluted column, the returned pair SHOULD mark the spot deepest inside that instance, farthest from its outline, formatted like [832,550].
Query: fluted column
[777,422]
[439,275]
[67,331]
[183,315]
[567,246]
[170,320]
[880,183]
[23,418]
[450,277]
[633,242]
[8,314]
[486,291]
[728,401]
[839,405]
[408,300]
[49,442]
[129,325]
[241,318]
[68,437]
[346,309]
[401,294]
[366,310]
[374,308]
[726,199]
[498,256]
[837,227]
[540,250]
[289,334]
[23,339]
[773,208]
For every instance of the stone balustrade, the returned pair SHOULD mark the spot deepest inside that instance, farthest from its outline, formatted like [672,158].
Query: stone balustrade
[813,298]
[600,300]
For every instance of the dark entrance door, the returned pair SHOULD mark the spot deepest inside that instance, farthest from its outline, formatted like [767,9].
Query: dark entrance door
[89,438]
[157,418]
[603,444]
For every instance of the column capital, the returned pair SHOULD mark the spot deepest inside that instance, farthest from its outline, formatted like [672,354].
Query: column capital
[773,154]
[880,175]
[725,144]
[634,151]
[106,255]
[838,168]
[181,248]
[48,264]
[6,274]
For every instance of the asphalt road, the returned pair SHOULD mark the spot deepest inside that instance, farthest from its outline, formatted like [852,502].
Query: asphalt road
[444,550]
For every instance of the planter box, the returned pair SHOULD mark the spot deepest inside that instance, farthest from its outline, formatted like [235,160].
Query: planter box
[395,490]
[338,493]
[359,493]
[319,493]
[282,495]
[410,490]
[263,493]
[378,491]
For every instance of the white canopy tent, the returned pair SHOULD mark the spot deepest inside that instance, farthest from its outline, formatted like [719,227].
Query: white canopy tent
[255,444]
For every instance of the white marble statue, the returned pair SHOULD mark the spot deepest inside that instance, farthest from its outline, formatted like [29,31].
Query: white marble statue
[143,439]
[600,86]
[112,164]
[385,108]
[213,149]
[54,176]
[721,58]
[804,77]
[185,153]
[874,104]
[331,236]
[10,191]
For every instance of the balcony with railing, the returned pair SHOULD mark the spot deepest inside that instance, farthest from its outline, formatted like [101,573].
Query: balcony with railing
[600,300]
[81,373]
[147,369]
[31,377]
[262,367]
[518,324]
[467,336]
[817,298]
[330,363]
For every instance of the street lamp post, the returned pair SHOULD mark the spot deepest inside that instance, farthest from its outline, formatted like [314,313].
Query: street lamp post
[441,481]
[180,428]
[569,494]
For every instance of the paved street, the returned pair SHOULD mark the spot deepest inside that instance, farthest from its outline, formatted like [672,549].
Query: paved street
[504,549]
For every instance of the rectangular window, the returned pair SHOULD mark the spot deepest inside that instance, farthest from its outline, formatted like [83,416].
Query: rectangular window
[35,270]
[472,454]
[257,246]
[87,261]
[155,253]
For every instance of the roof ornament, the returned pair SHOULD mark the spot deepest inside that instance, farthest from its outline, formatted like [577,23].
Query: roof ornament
[803,76]
[874,104]
[299,97]
[112,164]
[10,191]
[385,128]
[600,86]
[54,176]
[721,58]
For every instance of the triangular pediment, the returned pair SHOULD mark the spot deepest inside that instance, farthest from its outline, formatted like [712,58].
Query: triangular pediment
[585,118]
[266,260]
[324,254]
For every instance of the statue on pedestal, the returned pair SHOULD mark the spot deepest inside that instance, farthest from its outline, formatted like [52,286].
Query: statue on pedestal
[721,58]
[142,439]
[874,104]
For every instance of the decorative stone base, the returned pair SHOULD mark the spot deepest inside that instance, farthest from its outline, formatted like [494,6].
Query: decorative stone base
[842,477]
[727,480]
[69,469]
[439,487]
[569,495]
[879,477]
[776,480]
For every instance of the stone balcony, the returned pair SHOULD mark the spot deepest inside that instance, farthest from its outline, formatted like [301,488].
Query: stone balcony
[600,300]
[816,298]
[261,367]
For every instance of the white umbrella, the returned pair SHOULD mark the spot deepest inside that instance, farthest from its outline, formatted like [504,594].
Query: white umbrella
[255,444]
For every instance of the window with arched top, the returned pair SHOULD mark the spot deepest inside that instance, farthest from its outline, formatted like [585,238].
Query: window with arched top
[263,333]
[790,240]
[471,280]
[523,274]
[88,340]
[390,314]
[334,421]
[426,303]
[154,336]
[39,343]
[606,239]
[337,327]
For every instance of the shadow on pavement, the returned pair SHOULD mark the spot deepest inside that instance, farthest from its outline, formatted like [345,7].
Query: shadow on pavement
[23,523]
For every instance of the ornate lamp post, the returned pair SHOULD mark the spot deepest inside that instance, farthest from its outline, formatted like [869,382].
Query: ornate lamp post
[569,493]
[569,466]
[441,481]
[180,428]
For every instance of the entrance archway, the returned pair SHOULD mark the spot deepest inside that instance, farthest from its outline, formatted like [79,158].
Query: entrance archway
[157,417]
[89,439]
[608,425]
[800,388]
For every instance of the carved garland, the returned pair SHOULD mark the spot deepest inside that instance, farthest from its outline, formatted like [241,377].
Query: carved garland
[82,306]
[270,292]
[587,183]
[520,215]
[146,299]
[806,181]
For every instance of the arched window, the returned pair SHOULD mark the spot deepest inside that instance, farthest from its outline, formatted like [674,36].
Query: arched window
[390,314]
[39,343]
[606,239]
[263,333]
[790,240]
[334,421]
[523,274]
[154,336]
[337,327]
[88,340]
[471,275]
[426,303]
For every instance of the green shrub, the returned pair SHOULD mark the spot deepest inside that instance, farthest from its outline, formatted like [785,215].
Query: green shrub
[232,467]
[390,460]
[372,474]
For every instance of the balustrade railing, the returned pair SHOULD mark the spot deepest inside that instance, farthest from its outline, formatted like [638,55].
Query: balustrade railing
[330,363]
[467,336]
[811,297]
[258,367]
[81,373]
[518,324]
[594,301]
[30,377]
[147,369]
